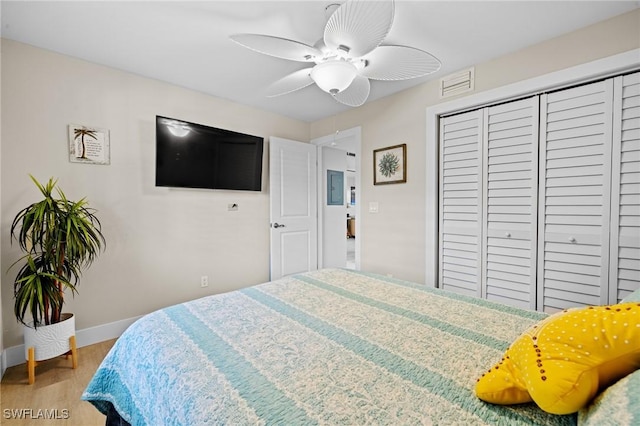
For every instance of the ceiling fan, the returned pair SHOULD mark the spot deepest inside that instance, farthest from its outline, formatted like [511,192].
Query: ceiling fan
[349,54]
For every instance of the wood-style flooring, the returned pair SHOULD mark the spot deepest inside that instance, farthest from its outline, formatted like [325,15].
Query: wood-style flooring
[54,399]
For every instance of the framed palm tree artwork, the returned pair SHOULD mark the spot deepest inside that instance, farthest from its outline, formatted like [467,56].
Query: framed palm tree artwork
[390,165]
[88,145]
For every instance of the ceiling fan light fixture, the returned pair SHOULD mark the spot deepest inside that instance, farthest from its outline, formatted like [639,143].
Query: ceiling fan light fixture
[350,53]
[334,76]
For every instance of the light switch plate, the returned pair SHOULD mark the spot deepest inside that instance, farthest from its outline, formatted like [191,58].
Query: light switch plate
[373,207]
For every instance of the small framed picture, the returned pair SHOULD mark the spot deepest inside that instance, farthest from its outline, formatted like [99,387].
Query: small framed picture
[390,165]
[88,145]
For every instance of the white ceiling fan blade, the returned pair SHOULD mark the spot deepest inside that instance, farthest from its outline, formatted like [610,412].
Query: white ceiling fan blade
[278,47]
[399,63]
[290,83]
[356,94]
[358,27]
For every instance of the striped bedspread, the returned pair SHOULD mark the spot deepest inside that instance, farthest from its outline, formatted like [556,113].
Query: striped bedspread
[326,347]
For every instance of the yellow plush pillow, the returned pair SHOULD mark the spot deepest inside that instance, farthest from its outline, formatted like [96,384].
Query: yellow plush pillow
[561,362]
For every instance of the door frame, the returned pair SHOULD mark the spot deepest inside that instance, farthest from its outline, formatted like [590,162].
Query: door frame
[583,73]
[329,140]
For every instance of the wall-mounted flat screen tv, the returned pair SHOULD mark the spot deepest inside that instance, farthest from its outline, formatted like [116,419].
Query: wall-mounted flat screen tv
[190,155]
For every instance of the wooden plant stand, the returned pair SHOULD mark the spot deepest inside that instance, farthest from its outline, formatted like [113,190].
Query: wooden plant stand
[32,363]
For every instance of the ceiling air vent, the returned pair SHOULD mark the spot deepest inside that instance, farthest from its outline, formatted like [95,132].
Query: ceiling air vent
[459,82]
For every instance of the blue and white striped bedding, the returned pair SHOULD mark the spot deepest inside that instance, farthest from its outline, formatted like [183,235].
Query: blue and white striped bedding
[325,347]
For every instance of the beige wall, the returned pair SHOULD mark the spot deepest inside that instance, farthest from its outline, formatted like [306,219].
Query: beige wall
[159,241]
[2,280]
[393,240]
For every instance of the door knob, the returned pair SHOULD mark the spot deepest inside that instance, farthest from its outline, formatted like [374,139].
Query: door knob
[508,234]
[277,225]
[572,239]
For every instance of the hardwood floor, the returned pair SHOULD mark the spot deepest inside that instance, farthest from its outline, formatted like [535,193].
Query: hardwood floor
[54,399]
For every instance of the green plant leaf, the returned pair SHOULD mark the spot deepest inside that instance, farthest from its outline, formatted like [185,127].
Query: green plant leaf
[59,238]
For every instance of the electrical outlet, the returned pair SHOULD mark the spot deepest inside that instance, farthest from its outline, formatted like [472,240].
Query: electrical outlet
[204,281]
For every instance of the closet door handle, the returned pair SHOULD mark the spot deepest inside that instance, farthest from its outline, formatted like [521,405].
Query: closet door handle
[277,225]
[572,239]
[508,235]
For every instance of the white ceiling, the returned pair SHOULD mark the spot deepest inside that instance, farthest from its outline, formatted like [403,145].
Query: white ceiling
[186,43]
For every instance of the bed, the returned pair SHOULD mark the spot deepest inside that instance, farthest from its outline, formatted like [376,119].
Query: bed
[326,347]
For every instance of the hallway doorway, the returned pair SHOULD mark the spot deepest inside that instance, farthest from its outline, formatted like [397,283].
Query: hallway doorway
[339,239]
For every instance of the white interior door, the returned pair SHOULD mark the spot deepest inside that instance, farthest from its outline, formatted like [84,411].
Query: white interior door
[461,203]
[293,200]
[510,199]
[625,189]
[574,203]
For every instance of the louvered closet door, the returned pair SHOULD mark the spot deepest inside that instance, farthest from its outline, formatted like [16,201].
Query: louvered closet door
[461,203]
[511,195]
[625,202]
[575,177]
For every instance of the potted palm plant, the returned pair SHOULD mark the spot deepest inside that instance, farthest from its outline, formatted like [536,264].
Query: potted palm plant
[59,237]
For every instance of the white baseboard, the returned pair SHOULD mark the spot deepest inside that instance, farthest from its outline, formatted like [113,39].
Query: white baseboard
[88,336]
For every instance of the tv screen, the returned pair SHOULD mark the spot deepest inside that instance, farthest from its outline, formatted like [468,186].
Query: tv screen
[190,155]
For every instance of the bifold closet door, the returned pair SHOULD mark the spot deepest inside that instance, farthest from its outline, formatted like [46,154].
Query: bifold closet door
[574,203]
[461,203]
[625,197]
[510,202]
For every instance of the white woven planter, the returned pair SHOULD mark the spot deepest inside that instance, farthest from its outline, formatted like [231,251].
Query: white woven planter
[50,341]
